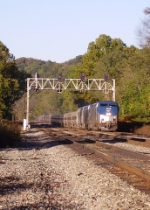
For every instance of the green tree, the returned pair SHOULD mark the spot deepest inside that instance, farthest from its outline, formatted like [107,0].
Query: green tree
[11,86]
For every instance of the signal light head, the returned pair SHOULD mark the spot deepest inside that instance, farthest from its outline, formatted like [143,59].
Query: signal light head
[83,77]
[106,77]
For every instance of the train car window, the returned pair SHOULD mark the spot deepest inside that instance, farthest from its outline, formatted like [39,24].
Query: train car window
[74,118]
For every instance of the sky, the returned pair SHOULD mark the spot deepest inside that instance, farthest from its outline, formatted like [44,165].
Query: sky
[60,30]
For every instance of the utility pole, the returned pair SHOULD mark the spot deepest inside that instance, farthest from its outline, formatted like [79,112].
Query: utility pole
[28,95]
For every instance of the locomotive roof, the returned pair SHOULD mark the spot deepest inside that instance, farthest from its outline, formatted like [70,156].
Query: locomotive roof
[107,102]
[113,102]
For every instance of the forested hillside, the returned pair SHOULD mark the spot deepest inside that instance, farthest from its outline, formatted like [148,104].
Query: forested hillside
[45,68]
[45,101]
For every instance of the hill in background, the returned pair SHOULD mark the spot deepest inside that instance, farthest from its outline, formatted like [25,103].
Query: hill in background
[46,68]
[44,101]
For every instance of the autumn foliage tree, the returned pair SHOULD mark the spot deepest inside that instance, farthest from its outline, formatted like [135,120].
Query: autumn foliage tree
[11,82]
[144,30]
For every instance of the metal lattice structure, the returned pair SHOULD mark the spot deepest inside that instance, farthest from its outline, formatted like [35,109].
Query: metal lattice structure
[108,87]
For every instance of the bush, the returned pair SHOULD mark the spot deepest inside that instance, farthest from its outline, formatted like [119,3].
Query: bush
[9,133]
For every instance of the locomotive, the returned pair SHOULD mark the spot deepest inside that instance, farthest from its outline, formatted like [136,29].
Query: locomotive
[97,116]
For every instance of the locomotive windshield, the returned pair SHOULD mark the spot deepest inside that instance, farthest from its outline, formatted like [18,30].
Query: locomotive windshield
[110,105]
[113,105]
[103,104]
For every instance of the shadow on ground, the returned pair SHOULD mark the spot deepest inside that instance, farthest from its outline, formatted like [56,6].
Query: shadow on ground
[134,127]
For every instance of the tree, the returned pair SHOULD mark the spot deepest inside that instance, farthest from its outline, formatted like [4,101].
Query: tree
[11,81]
[144,31]
[103,46]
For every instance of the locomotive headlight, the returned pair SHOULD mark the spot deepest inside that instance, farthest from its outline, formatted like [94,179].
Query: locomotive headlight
[114,119]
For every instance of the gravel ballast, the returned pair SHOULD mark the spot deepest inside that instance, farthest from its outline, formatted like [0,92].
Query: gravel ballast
[41,174]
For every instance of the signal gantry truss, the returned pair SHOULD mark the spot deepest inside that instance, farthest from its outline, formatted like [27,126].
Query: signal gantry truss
[71,84]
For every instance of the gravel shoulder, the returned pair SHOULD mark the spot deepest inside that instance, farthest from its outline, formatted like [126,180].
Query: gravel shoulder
[41,174]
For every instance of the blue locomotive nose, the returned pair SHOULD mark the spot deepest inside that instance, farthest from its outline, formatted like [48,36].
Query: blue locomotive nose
[107,114]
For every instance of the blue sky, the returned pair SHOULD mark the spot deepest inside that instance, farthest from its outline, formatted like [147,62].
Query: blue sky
[60,30]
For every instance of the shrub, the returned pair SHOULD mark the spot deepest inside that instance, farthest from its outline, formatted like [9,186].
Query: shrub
[9,133]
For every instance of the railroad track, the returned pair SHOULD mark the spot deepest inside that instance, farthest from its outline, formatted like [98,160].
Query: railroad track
[142,140]
[129,165]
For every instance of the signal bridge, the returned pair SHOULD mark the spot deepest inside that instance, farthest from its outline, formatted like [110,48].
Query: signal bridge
[72,84]
[69,84]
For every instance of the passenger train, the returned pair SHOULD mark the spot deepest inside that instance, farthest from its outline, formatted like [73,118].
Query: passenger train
[98,116]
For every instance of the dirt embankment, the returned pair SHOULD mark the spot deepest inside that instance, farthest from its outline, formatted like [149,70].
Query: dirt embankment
[134,127]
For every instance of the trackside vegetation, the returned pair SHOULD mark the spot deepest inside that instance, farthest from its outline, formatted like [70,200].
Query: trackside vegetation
[9,133]
[11,89]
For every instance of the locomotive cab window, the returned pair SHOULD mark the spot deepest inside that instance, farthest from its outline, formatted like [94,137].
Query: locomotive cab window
[103,104]
[113,105]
